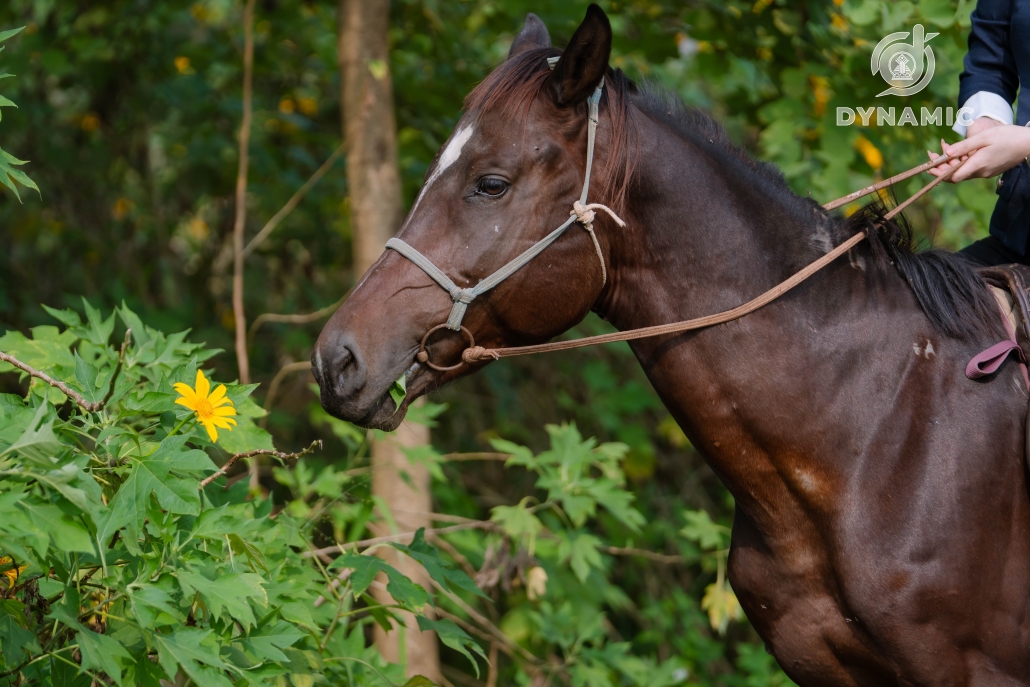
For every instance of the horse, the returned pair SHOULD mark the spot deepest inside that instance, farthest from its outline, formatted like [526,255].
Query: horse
[881,533]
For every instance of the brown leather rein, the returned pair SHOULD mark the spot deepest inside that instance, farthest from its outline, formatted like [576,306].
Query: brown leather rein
[474,353]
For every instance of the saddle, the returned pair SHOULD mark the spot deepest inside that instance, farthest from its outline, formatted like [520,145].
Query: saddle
[1010,285]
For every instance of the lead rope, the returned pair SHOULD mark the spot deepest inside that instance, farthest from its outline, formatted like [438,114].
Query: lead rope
[474,354]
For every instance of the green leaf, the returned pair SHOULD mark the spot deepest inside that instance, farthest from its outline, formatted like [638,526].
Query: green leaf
[419,681]
[97,330]
[701,529]
[229,594]
[16,642]
[67,317]
[438,568]
[365,569]
[86,376]
[9,175]
[398,391]
[267,642]
[154,474]
[153,606]
[132,321]
[582,550]
[454,637]
[196,652]
[518,522]
[100,652]
[245,436]
[68,533]
[146,673]
[38,442]
[4,35]
[402,589]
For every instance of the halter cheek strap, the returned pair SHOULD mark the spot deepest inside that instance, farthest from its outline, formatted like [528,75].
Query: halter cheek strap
[581,212]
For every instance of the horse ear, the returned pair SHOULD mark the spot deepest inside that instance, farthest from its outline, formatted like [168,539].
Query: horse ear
[585,60]
[533,35]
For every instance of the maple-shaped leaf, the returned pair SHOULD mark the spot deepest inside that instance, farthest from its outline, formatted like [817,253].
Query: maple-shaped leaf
[196,652]
[439,569]
[228,594]
[157,474]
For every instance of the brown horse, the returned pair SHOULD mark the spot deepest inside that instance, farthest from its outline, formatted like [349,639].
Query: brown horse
[882,530]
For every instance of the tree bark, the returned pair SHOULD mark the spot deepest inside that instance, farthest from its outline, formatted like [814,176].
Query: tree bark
[376,212]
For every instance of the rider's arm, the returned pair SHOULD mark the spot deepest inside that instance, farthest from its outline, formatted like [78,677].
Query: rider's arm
[990,79]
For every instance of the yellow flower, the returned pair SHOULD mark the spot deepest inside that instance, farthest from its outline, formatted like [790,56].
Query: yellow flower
[872,154]
[213,409]
[11,573]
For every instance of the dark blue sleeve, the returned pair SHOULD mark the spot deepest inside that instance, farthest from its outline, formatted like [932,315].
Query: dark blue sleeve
[989,64]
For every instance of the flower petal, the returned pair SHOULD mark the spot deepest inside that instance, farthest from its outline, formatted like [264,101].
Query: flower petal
[217,395]
[185,389]
[224,411]
[203,386]
[191,404]
[211,431]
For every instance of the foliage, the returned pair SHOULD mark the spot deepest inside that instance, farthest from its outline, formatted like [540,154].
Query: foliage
[8,173]
[129,112]
[123,564]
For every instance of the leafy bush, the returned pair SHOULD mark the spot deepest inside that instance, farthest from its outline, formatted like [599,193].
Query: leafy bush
[8,173]
[125,556]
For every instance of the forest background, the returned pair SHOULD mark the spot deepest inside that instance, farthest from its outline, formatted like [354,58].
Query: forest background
[129,112]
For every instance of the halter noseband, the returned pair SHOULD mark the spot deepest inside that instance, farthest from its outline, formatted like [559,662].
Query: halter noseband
[582,213]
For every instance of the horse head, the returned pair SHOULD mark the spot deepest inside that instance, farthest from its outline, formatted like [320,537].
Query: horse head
[506,178]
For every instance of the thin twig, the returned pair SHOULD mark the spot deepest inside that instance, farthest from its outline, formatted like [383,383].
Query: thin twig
[117,368]
[478,455]
[239,222]
[303,318]
[485,623]
[273,388]
[259,452]
[473,630]
[292,202]
[460,677]
[643,553]
[67,390]
[365,543]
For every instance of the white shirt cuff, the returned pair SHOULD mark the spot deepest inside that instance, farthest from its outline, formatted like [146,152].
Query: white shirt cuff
[985,104]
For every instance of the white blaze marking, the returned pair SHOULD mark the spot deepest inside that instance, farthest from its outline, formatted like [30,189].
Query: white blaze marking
[448,157]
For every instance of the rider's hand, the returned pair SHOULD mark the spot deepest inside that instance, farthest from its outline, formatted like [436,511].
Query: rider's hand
[988,151]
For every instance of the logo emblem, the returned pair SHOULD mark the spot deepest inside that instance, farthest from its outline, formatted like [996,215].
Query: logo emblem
[907,67]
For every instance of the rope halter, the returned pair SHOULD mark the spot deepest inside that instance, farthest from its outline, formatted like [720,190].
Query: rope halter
[582,213]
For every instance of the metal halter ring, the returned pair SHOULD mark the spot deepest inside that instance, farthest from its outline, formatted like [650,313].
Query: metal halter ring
[423,355]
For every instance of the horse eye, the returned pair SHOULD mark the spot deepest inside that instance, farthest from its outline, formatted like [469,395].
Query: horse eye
[491,186]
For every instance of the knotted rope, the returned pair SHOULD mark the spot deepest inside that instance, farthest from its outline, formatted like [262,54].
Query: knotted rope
[584,214]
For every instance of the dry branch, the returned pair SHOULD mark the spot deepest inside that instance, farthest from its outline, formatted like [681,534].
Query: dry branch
[292,202]
[303,318]
[239,222]
[67,390]
[273,388]
[365,543]
[64,388]
[259,452]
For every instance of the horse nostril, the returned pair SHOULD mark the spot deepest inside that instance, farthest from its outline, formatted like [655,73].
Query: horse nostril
[342,369]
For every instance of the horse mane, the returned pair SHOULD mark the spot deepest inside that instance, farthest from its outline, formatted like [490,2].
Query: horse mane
[954,297]
[946,284]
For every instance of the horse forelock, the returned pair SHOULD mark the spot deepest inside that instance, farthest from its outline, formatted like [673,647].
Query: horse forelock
[509,91]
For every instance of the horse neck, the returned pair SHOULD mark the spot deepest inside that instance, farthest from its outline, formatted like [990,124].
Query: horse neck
[706,234]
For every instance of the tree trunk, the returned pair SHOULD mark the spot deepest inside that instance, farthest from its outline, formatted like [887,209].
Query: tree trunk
[369,130]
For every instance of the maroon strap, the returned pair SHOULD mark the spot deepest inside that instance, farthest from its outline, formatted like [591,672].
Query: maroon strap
[989,361]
